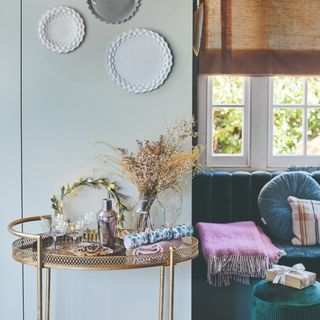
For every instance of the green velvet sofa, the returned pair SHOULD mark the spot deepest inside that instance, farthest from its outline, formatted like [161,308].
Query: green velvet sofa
[223,197]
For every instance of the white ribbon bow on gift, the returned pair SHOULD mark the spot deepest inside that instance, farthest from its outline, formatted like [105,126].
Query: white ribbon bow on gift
[284,270]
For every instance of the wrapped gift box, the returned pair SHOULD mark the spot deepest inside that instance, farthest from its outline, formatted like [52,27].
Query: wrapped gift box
[295,277]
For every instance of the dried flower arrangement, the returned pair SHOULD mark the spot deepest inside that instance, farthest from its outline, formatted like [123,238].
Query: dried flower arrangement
[158,165]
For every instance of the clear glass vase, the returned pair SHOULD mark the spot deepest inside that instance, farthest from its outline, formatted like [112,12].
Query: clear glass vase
[142,220]
[152,212]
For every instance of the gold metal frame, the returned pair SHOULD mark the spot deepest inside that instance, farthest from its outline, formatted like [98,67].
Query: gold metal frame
[30,249]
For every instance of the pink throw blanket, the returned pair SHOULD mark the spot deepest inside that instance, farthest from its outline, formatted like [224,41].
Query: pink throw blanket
[236,251]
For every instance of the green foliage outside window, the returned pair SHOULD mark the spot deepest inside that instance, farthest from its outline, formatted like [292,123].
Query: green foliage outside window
[288,90]
[287,131]
[288,122]
[227,124]
[228,90]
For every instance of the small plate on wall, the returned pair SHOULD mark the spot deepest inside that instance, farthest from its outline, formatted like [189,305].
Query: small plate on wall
[113,11]
[139,60]
[61,29]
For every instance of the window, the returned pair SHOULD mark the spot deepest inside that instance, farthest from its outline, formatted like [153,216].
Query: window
[228,117]
[261,122]
[295,120]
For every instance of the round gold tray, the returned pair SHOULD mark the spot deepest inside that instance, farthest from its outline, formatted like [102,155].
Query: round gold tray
[25,251]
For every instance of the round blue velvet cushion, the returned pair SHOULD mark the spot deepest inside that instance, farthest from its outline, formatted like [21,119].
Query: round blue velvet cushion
[274,208]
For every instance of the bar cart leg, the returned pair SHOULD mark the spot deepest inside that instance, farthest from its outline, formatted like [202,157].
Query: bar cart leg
[171,285]
[48,289]
[39,278]
[161,294]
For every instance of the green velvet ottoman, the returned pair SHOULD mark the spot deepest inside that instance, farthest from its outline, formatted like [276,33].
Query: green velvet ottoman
[278,302]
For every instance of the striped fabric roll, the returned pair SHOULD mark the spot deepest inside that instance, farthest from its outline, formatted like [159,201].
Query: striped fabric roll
[160,235]
[182,230]
[305,221]
[138,239]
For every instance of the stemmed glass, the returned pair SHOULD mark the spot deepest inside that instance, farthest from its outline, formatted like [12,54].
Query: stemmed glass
[55,227]
[45,224]
[90,220]
[75,228]
[58,228]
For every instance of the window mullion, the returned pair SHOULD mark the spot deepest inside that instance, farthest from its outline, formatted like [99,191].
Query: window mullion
[259,122]
[209,120]
[305,130]
[305,119]
[215,105]
[246,141]
[289,106]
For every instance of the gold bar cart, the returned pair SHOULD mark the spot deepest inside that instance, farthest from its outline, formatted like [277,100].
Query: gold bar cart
[30,249]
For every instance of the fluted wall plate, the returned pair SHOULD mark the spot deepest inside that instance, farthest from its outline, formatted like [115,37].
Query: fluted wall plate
[139,60]
[113,11]
[61,29]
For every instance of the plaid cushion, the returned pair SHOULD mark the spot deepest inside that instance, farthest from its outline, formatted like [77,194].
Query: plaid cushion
[305,221]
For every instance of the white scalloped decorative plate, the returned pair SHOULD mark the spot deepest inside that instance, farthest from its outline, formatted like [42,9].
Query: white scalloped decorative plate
[61,29]
[139,60]
[113,11]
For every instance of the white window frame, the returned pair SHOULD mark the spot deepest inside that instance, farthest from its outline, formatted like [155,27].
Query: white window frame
[259,124]
[279,160]
[235,160]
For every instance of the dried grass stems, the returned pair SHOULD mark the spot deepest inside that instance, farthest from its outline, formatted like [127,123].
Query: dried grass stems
[158,165]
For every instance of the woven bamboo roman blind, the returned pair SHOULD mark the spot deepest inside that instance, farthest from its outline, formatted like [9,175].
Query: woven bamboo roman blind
[261,37]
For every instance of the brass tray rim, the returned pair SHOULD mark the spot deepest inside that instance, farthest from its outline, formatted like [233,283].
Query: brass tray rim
[162,261]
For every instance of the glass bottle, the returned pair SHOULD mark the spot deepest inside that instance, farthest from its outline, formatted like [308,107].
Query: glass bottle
[107,224]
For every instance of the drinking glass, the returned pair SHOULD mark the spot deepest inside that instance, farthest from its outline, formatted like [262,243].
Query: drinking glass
[75,228]
[45,224]
[90,220]
[89,225]
[58,228]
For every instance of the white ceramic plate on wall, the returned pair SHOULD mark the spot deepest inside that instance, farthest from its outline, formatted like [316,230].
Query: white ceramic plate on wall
[113,11]
[61,29]
[139,60]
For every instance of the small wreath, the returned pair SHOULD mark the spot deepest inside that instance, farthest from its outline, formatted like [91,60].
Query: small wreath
[112,191]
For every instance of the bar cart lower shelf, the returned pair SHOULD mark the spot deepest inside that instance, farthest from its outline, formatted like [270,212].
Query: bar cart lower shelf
[30,249]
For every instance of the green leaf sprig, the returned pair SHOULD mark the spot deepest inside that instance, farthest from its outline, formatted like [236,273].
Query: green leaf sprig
[112,193]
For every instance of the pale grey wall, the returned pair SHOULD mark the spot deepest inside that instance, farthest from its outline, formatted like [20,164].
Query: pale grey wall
[68,103]
[10,272]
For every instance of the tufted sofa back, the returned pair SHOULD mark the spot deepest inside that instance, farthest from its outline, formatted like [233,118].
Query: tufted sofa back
[226,197]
